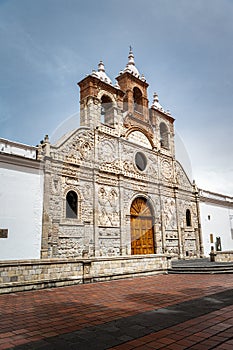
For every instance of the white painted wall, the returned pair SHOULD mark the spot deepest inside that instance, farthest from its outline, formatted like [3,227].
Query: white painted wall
[219,223]
[21,197]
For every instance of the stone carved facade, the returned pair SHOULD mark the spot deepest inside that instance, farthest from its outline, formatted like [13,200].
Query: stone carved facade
[107,165]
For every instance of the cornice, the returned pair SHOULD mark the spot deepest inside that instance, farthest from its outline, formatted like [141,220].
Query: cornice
[20,161]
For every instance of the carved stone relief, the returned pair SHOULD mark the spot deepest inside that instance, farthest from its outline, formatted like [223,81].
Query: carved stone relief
[166,169]
[56,185]
[108,207]
[70,171]
[181,178]
[79,147]
[152,168]
[107,151]
[169,210]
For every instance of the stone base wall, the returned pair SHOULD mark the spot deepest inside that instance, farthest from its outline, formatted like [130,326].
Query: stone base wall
[226,256]
[46,273]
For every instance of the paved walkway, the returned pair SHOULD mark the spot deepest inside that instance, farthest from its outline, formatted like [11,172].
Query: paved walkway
[158,312]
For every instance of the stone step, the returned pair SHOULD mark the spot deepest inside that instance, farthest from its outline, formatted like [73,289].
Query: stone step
[200,270]
[200,266]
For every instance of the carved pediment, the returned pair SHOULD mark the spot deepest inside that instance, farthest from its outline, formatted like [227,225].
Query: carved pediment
[78,147]
[182,179]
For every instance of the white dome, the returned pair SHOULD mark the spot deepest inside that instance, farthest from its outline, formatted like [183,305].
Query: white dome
[101,74]
[130,67]
[157,105]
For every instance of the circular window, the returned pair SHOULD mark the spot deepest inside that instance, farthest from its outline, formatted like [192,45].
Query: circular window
[140,161]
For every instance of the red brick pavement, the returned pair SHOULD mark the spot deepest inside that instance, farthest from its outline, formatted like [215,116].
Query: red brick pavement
[211,331]
[28,317]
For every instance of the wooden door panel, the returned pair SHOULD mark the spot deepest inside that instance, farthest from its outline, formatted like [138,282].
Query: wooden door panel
[142,239]
[142,235]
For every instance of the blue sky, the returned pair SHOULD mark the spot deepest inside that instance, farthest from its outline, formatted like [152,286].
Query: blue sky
[183,47]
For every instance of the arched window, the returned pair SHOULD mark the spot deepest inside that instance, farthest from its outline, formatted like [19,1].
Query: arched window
[137,99]
[164,135]
[71,205]
[106,110]
[188,218]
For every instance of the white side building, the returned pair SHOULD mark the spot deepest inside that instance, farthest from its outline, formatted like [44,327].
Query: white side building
[21,198]
[216,211]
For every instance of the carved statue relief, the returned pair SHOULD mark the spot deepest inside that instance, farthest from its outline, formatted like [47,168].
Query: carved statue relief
[102,195]
[169,210]
[56,184]
[108,207]
[113,198]
[87,192]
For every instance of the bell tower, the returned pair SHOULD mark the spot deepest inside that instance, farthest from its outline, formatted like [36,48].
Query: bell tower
[100,101]
[134,85]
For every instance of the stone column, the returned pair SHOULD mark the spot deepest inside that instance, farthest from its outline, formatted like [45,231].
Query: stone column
[178,226]
[130,101]
[199,232]
[46,221]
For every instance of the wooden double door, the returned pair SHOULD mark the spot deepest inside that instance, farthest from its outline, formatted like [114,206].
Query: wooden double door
[141,223]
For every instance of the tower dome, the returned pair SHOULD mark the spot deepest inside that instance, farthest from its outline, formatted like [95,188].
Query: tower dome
[130,67]
[101,73]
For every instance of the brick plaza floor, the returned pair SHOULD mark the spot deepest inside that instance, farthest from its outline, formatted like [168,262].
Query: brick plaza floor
[156,312]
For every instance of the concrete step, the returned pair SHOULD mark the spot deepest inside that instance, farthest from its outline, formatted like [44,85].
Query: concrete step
[200,266]
[200,270]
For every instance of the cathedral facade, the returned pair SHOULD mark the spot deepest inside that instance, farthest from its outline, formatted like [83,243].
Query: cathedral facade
[113,186]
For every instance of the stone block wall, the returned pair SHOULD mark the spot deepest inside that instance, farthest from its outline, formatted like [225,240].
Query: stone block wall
[36,274]
[224,256]
[46,273]
[122,267]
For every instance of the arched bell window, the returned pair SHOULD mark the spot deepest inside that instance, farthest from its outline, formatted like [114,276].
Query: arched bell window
[71,205]
[106,109]
[137,99]
[125,103]
[188,218]
[164,141]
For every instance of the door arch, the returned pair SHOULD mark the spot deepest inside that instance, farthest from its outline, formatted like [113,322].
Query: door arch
[141,227]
